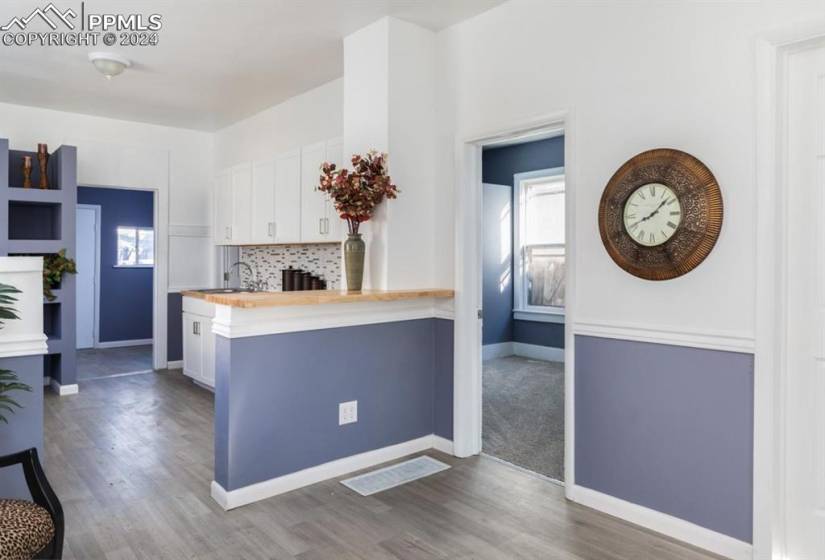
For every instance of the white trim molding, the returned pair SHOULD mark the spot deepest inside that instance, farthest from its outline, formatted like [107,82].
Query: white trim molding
[538,316]
[536,352]
[23,345]
[64,390]
[664,334]
[663,523]
[174,364]
[497,350]
[124,343]
[230,499]
[236,322]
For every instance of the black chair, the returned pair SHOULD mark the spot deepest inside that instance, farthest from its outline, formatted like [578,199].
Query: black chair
[28,513]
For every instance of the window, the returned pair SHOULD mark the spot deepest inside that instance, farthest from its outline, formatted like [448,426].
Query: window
[539,248]
[135,247]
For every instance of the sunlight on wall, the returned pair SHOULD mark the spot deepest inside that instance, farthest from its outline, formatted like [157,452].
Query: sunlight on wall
[506,246]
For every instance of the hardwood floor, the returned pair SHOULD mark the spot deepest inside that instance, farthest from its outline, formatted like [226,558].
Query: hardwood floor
[131,460]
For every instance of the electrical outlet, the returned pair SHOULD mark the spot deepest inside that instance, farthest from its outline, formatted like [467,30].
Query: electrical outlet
[347,412]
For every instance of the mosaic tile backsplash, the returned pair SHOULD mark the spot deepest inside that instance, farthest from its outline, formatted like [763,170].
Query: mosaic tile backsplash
[322,259]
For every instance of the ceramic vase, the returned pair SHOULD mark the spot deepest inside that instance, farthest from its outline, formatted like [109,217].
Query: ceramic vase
[43,160]
[27,172]
[354,250]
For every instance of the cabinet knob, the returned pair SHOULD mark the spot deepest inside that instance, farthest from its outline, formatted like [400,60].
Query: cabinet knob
[196,327]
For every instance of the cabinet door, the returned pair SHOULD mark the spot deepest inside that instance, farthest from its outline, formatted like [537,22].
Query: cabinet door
[263,202]
[241,203]
[288,197]
[313,202]
[192,346]
[223,209]
[334,227]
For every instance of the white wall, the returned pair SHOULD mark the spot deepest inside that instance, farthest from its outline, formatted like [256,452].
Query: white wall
[635,76]
[304,119]
[118,153]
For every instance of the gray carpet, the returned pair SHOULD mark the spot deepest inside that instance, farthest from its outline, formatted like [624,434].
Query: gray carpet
[93,363]
[524,414]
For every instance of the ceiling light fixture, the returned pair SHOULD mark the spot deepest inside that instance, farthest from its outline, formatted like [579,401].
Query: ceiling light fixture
[109,64]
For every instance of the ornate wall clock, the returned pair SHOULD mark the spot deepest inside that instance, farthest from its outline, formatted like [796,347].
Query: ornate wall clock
[660,214]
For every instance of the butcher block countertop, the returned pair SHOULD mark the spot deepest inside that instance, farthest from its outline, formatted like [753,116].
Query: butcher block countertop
[313,297]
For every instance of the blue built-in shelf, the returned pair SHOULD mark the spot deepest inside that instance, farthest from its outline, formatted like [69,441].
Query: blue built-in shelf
[38,221]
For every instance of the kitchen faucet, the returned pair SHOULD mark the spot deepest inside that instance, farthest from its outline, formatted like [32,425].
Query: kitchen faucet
[255,285]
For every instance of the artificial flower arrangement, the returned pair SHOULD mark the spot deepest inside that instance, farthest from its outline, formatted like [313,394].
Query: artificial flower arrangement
[357,192]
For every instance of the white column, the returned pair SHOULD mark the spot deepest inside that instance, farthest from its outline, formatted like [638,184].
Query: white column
[389,105]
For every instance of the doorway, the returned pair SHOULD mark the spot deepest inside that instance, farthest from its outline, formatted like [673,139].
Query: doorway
[115,283]
[523,302]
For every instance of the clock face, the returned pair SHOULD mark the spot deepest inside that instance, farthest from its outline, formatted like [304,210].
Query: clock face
[652,214]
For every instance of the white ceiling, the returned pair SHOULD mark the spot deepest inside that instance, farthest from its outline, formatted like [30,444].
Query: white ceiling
[217,61]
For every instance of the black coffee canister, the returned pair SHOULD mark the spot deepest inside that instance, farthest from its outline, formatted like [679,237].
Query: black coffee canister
[288,279]
[316,283]
[306,281]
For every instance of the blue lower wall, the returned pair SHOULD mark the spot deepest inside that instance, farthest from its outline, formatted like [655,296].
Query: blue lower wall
[538,333]
[174,327]
[125,293]
[669,428]
[25,427]
[276,397]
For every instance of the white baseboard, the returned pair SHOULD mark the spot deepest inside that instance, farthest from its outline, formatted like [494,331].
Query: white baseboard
[174,364]
[498,350]
[663,523]
[537,352]
[64,390]
[534,351]
[442,444]
[230,499]
[124,343]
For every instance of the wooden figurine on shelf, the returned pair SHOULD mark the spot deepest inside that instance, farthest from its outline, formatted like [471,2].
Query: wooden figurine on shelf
[27,172]
[43,159]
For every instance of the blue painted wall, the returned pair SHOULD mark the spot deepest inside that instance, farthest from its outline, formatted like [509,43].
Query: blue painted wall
[498,167]
[669,428]
[25,427]
[400,373]
[125,293]
[174,327]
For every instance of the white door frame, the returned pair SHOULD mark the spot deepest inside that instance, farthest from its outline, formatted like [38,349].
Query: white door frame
[468,264]
[772,52]
[96,319]
[160,273]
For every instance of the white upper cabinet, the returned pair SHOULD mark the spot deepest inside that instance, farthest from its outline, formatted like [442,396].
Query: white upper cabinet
[223,209]
[313,202]
[335,226]
[288,197]
[263,202]
[277,200]
[241,203]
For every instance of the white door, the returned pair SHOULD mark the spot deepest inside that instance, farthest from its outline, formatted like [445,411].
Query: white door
[313,202]
[263,202]
[87,255]
[803,408]
[288,197]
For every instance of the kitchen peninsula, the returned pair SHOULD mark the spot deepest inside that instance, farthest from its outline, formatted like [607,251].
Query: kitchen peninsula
[285,361]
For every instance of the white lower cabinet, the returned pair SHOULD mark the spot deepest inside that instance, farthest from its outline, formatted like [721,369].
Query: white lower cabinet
[198,341]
